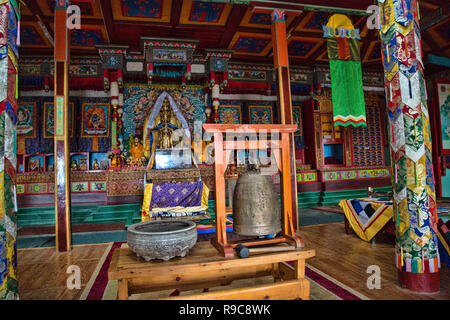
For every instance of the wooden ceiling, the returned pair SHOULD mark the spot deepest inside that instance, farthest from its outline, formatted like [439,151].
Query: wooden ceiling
[215,25]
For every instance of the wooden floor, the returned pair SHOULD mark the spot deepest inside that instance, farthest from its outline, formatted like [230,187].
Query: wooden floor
[42,272]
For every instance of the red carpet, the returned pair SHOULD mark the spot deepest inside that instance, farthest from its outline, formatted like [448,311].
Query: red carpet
[99,286]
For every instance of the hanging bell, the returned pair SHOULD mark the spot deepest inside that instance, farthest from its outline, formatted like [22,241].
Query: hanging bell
[256,210]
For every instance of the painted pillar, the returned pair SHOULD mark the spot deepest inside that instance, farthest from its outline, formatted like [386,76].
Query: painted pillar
[281,68]
[415,214]
[9,34]
[61,137]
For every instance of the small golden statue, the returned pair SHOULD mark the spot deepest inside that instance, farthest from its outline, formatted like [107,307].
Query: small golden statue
[74,165]
[95,165]
[136,158]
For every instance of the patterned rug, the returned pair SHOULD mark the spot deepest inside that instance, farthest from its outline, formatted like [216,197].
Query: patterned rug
[323,287]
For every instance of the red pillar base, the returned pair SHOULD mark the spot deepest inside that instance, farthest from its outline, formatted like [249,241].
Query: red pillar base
[419,282]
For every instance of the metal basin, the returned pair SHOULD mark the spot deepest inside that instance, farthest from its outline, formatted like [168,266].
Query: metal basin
[162,239]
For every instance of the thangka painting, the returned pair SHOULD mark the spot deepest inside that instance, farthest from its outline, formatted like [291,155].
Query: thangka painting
[260,114]
[49,120]
[443,91]
[95,120]
[230,114]
[297,114]
[26,119]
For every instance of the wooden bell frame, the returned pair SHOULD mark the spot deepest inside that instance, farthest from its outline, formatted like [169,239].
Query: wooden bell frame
[281,149]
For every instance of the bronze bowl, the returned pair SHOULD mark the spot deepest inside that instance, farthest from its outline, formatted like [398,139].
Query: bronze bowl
[162,239]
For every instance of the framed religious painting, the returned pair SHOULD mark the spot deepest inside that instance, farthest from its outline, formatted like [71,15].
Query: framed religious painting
[49,119]
[95,120]
[260,114]
[443,101]
[230,114]
[34,165]
[26,119]
[82,164]
[297,114]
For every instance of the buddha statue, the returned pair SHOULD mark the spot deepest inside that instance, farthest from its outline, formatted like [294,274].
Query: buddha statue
[95,165]
[74,165]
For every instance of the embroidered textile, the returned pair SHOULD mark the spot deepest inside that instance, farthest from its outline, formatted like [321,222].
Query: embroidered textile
[346,76]
[174,199]
[367,216]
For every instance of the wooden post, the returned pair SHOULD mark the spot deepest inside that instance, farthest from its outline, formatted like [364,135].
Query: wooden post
[61,137]
[414,198]
[281,67]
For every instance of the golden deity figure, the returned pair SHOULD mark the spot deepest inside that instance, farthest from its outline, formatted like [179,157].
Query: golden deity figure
[165,128]
[162,135]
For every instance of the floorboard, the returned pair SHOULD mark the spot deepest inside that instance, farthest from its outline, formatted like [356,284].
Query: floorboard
[344,257]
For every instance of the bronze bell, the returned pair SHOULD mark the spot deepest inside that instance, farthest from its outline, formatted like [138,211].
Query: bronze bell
[256,210]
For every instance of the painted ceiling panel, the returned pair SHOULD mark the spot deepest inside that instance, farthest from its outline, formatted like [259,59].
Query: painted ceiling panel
[303,47]
[88,37]
[252,44]
[214,24]
[32,36]
[204,13]
[142,10]
[314,21]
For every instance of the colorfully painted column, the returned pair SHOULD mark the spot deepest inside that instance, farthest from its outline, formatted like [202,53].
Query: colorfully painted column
[61,137]
[415,214]
[9,31]
[281,68]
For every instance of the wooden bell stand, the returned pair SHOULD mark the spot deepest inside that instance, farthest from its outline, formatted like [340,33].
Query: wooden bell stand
[281,149]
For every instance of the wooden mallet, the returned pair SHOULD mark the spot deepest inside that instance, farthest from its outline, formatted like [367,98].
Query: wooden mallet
[244,252]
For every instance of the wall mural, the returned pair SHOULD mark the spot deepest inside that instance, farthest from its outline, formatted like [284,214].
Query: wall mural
[139,100]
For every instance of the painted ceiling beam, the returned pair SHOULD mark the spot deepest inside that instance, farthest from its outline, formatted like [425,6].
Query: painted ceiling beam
[105,7]
[236,16]
[440,14]
[177,6]
[293,6]
[440,61]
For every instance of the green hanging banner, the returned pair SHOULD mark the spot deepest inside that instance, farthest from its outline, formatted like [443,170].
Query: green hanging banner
[345,72]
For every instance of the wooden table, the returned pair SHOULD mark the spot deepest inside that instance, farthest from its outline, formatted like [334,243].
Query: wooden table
[205,267]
